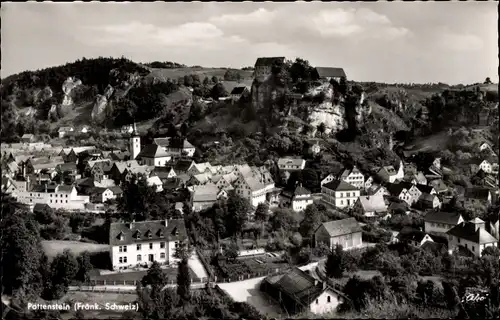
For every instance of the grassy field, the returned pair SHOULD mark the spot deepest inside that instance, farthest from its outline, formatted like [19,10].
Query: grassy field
[54,247]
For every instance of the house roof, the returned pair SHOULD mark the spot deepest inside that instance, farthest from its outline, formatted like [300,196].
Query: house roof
[175,230]
[78,150]
[65,188]
[427,197]
[69,166]
[330,72]
[301,191]
[340,185]
[443,217]
[153,151]
[178,143]
[410,234]
[121,166]
[390,170]
[268,61]
[205,193]
[27,136]
[424,189]
[438,185]
[183,165]
[64,129]
[476,220]
[116,190]
[375,203]
[299,286]
[477,193]
[40,206]
[469,231]
[202,177]
[238,90]
[395,189]
[340,227]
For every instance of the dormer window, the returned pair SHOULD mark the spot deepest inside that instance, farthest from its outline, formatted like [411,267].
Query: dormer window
[161,234]
[149,234]
[121,236]
[138,235]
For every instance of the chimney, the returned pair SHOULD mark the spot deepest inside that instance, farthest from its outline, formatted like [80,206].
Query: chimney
[45,188]
[24,170]
[165,222]
[324,285]
[316,282]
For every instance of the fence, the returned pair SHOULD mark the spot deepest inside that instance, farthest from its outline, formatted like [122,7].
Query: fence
[93,283]
[204,262]
[251,275]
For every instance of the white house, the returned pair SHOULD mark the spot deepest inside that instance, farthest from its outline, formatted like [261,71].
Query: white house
[63,131]
[327,179]
[486,166]
[300,198]
[441,222]
[176,146]
[413,236]
[390,174]
[298,292]
[84,129]
[291,164]
[340,194]
[251,189]
[353,177]
[472,236]
[154,155]
[370,206]
[485,146]
[56,196]
[141,243]
[155,182]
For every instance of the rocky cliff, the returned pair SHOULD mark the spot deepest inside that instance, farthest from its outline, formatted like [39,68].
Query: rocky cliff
[67,87]
[265,92]
[101,108]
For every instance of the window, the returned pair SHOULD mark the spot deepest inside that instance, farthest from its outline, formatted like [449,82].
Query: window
[458,240]
[328,299]
[66,196]
[473,249]
[162,245]
[120,249]
[139,258]
[56,201]
[124,248]
[150,246]
[139,247]
[348,194]
[317,301]
[162,255]
[66,201]
[120,260]
[124,259]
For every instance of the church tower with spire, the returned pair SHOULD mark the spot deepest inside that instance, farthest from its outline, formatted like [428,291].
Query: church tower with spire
[135,144]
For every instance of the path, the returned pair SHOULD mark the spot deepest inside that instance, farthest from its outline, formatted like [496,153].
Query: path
[124,288]
[197,267]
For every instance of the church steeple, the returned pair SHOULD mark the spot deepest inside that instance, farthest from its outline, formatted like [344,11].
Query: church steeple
[135,144]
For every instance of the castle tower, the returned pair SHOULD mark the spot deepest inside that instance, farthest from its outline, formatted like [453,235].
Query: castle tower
[135,144]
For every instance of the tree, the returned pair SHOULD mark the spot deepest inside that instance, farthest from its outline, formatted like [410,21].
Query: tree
[215,79]
[312,220]
[334,265]
[262,212]
[321,128]
[491,251]
[487,80]
[206,81]
[154,277]
[184,280]
[184,250]
[231,251]
[283,219]
[301,70]
[22,252]
[218,91]
[84,266]
[63,269]
[238,209]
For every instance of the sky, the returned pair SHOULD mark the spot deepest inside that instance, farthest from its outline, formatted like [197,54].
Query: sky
[419,42]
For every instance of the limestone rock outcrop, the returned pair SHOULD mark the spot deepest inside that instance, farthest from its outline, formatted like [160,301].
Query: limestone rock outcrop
[68,86]
[100,109]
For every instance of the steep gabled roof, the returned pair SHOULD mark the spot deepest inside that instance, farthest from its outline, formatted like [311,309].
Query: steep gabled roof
[153,151]
[469,231]
[337,228]
[175,230]
[375,203]
[330,72]
[238,90]
[268,61]
[477,193]
[340,185]
[424,189]
[443,217]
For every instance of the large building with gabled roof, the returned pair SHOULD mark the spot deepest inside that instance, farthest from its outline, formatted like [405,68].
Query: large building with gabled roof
[345,232]
[472,236]
[339,194]
[296,292]
[141,243]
